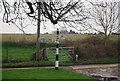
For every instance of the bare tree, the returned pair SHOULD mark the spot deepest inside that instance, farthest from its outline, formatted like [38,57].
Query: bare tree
[77,18]
[59,10]
[104,16]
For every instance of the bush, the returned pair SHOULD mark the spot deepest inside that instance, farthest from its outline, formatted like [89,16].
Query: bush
[94,47]
[94,40]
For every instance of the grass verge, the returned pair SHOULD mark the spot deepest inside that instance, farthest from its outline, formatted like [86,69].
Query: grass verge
[34,63]
[42,73]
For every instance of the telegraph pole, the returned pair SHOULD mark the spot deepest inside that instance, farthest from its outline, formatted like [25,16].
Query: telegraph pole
[38,33]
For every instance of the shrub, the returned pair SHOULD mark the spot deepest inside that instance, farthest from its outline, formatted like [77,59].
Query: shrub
[94,40]
[94,47]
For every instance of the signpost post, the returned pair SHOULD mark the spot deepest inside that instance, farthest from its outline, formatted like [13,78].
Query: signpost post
[57,51]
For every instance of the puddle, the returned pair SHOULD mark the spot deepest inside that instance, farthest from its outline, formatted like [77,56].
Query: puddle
[97,73]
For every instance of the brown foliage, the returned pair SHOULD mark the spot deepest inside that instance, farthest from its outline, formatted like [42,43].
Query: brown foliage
[94,47]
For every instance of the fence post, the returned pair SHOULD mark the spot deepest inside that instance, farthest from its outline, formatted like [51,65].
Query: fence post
[76,57]
[7,57]
[45,54]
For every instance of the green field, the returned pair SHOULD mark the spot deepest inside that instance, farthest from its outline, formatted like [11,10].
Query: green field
[43,73]
[20,54]
[21,51]
[24,52]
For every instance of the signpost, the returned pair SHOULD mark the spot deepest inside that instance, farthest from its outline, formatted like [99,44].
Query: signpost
[47,39]
[52,40]
[57,51]
[57,47]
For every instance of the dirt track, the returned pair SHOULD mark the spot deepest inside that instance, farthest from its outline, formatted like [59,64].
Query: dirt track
[94,66]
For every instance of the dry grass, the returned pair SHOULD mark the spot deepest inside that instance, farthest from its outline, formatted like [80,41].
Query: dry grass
[32,37]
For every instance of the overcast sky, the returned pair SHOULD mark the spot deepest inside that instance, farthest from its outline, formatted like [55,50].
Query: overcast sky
[6,28]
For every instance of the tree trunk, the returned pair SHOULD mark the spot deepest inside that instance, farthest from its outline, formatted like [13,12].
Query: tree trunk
[38,35]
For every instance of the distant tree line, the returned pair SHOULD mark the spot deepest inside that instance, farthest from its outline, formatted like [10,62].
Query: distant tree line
[111,33]
[65,32]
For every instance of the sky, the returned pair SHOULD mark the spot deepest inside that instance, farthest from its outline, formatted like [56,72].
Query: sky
[6,28]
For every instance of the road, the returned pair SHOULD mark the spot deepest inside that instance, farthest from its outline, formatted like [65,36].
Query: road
[77,67]
[89,70]
[100,71]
